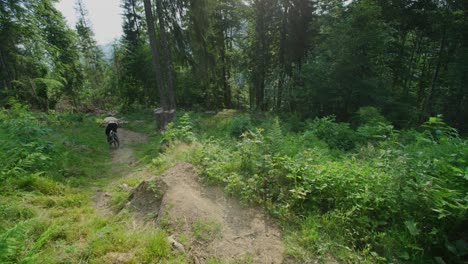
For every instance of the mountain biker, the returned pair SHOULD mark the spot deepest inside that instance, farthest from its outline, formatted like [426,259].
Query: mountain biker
[112,124]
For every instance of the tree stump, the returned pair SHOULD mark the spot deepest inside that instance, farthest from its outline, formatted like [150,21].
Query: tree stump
[163,117]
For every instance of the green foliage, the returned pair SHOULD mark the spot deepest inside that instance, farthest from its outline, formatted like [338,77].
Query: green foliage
[240,124]
[182,131]
[10,242]
[206,230]
[438,130]
[21,243]
[40,61]
[157,247]
[47,211]
[336,135]
[274,137]
[400,199]
[27,150]
[42,148]
[375,132]
[369,115]
[32,255]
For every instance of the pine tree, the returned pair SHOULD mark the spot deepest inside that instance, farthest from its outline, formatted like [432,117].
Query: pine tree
[132,28]
[92,56]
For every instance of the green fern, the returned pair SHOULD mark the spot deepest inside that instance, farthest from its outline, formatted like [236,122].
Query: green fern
[15,105]
[11,242]
[181,131]
[438,129]
[274,137]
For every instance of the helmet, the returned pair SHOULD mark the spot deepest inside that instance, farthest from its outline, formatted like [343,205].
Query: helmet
[110,114]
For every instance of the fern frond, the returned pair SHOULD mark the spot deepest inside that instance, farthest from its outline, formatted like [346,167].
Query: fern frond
[11,242]
[274,137]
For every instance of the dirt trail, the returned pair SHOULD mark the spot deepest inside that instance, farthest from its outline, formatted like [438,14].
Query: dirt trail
[122,158]
[124,154]
[207,223]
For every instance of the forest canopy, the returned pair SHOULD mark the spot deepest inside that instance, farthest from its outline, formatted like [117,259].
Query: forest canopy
[308,57]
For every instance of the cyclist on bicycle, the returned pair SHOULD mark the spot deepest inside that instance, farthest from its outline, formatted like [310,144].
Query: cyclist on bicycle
[112,124]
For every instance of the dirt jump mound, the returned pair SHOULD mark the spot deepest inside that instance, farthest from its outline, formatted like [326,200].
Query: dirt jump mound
[209,225]
[145,200]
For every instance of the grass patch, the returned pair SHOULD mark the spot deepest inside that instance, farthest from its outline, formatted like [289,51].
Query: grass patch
[205,230]
[53,166]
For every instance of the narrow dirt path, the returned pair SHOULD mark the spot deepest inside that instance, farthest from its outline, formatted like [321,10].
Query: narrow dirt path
[209,224]
[122,159]
[124,154]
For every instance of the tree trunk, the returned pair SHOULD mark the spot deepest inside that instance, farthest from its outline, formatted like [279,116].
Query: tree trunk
[282,61]
[156,56]
[420,92]
[413,59]
[261,104]
[435,76]
[261,54]
[397,77]
[225,71]
[252,96]
[163,117]
[4,69]
[167,54]
[135,21]
[260,91]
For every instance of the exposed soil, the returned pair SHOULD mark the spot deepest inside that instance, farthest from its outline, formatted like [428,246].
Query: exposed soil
[124,154]
[215,226]
[121,158]
[101,201]
[145,200]
[208,224]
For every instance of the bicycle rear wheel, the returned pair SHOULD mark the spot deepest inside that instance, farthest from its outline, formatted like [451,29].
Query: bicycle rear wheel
[114,140]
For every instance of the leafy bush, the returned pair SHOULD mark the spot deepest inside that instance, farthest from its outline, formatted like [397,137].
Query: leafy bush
[13,248]
[405,201]
[11,242]
[240,124]
[369,115]
[336,135]
[26,150]
[374,132]
[292,122]
[39,145]
[181,131]
[438,130]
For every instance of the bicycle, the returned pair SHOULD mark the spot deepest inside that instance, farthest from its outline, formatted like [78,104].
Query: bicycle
[113,140]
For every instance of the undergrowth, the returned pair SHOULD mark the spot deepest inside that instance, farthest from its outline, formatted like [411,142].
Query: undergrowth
[362,193]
